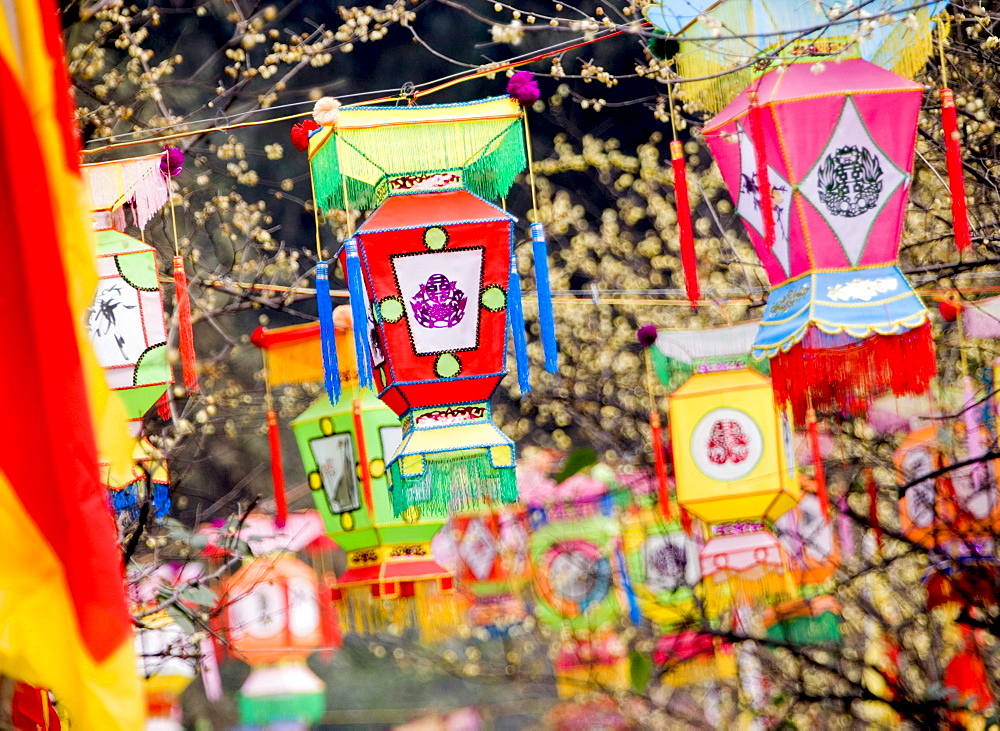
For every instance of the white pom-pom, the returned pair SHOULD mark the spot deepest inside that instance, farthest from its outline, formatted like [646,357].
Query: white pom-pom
[326,111]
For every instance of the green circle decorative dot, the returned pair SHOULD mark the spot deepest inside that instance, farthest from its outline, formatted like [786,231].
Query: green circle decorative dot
[326,426]
[391,309]
[494,298]
[315,481]
[447,365]
[347,521]
[435,238]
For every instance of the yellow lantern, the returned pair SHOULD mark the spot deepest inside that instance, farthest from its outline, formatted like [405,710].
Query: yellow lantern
[732,448]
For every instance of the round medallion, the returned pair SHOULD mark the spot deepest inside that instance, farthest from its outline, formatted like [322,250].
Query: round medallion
[435,238]
[391,309]
[726,444]
[574,576]
[493,298]
[447,365]
[376,468]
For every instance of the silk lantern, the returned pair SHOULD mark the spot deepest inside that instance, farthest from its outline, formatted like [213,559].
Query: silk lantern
[432,268]
[842,324]
[164,655]
[271,618]
[392,577]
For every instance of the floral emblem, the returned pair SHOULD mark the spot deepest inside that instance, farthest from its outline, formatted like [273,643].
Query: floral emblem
[861,289]
[850,181]
[727,442]
[788,300]
[439,303]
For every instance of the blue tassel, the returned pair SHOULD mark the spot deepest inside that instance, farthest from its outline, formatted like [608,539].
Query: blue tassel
[327,333]
[545,317]
[516,310]
[359,312]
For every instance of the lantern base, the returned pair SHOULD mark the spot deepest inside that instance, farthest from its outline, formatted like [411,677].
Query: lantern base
[283,692]
[452,459]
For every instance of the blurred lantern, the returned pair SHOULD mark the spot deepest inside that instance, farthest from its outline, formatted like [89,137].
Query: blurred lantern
[743,564]
[808,537]
[965,676]
[148,482]
[814,621]
[664,568]
[733,454]
[271,619]
[831,148]
[392,577]
[166,657]
[952,511]
[785,29]
[693,658]
[137,185]
[433,269]
[126,324]
[591,661]
[491,567]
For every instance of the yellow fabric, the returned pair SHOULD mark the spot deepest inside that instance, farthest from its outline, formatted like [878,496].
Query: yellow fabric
[770,488]
[40,642]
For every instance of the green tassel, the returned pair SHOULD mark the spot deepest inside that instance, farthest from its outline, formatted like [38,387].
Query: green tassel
[453,482]
[262,710]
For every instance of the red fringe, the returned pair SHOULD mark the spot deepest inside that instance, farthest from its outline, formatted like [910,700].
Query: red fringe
[184,330]
[277,473]
[956,180]
[689,261]
[660,459]
[819,471]
[849,377]
[163,407]
[763,179]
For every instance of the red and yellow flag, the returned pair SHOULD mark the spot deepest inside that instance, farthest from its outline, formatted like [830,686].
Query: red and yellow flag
[63,618]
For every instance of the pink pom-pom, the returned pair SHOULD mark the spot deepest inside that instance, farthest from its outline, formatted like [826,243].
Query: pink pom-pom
[326,111]
[646,335]
[523,87]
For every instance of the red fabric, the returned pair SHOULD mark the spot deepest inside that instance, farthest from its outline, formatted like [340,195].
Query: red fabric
[689,261]
[47,418]
[277,473]
[185,332]
[660,459]
[847,378]
[763,179]
[32,710]
[967,675]
[956,179]
[819,472]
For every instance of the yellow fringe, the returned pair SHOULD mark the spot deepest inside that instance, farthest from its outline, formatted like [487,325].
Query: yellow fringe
[583,679]
[433,615]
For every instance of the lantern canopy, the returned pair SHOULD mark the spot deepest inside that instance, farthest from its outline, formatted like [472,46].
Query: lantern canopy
[126,324]
[841,323]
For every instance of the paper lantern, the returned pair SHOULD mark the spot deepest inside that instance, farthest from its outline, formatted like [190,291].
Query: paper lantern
[841,324]
[743,565]
[664,568]
[126,325]
[137,184]
[392,577]
[491,564]
[952,510]
[164,655]
[272,622]
[808,538]
[433,267]
[767,28]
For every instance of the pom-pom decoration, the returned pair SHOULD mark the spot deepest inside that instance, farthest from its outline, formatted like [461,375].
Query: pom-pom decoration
[172,162]
[326,111]
[523,87]
[646,335]
[300,134]
[949,310]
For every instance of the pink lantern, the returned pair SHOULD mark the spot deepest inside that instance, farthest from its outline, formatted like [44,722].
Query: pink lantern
[842,324]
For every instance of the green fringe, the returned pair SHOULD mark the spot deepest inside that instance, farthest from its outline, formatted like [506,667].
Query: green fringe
[367,158]
[262,710]
[453,482]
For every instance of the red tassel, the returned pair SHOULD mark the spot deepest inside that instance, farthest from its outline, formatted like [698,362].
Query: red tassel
[756,121]
[685,520]
[184,330]
[330,626]
[366,475]
[689,261]
[873,508]
[277,473]
[819,471]
[163,407]
[956,178]
[660,459]
[847,378]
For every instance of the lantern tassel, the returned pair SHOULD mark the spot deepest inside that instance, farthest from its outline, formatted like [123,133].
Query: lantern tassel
[516,310]
[546,318]
[327,333]
[756,120]
[359,312]
[689,261]
[185,332]
[277,473]
[956,180]
[660,460]
[819,471]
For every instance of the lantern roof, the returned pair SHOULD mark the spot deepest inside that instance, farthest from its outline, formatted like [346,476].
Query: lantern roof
[111,242]
[419,210]
[481,141]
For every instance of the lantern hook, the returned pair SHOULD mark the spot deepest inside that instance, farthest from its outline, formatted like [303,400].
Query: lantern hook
[408,92]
